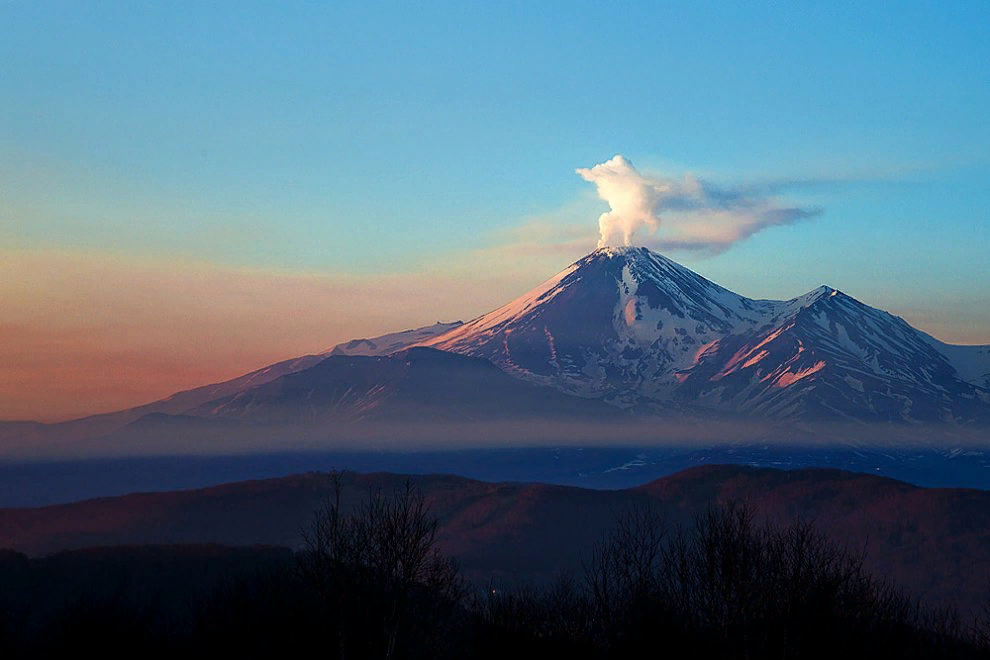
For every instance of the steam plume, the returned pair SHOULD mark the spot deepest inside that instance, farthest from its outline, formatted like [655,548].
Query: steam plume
[634,200]
[698,214]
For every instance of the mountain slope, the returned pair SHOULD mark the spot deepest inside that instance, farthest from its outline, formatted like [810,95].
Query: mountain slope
[416,385]
[834,358]
[972,363]
[390,343]
[636,329]
[18,436]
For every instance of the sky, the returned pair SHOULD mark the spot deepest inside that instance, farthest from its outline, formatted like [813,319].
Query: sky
[189,191]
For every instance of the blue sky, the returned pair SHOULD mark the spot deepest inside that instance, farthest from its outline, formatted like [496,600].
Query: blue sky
[365,139]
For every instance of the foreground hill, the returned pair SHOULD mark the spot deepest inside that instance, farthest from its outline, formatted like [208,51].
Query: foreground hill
[934,542]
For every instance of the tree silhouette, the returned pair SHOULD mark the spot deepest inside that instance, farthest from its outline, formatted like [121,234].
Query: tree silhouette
[981,626]
[378,570]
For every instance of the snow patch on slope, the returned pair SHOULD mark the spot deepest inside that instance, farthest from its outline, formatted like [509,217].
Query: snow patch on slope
[391,343]
[972,363]
[485,326]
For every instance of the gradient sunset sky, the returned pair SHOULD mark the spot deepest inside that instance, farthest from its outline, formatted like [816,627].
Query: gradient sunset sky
[189,191]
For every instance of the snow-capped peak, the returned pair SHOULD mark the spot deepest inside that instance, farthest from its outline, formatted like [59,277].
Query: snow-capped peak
[636,328]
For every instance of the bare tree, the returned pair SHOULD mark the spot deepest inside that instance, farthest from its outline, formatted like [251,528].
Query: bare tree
[375,566]
[622,574]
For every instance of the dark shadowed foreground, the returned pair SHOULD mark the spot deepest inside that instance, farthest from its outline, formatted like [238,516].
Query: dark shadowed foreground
[370,581]
[933,542]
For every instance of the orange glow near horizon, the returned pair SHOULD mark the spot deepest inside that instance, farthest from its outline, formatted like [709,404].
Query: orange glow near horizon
[84,334]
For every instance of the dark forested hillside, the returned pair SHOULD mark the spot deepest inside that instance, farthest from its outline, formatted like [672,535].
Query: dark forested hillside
[931,541]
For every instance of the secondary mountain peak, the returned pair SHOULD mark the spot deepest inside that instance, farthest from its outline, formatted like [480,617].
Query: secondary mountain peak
[392,342]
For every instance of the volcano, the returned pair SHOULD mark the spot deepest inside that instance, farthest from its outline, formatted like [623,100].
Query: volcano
[639,331]
[622,333]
